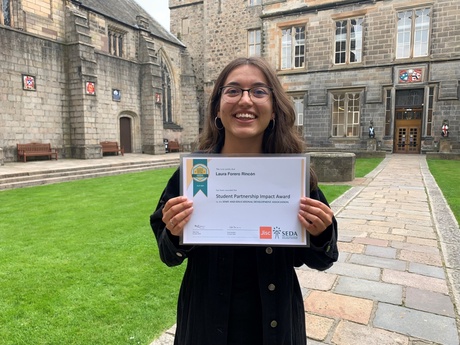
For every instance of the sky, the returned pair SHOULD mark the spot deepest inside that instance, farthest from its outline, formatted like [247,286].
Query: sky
[158,9]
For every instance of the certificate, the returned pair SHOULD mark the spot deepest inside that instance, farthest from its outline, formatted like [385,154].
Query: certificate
[245,200]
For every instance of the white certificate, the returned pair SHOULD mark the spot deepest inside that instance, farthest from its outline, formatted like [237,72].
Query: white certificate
[245,200]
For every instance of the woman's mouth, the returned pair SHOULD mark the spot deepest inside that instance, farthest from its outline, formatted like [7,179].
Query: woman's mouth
[245,116]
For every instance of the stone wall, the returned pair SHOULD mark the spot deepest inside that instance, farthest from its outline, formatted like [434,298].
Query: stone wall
[66,47]
[224,37]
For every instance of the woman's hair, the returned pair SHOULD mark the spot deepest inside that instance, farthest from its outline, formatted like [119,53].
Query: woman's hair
[279,137]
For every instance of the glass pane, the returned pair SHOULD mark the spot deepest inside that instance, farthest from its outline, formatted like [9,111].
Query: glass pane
[421,34]
[356,40]
[286,49]
[404,34]
[340,41]
[299,54]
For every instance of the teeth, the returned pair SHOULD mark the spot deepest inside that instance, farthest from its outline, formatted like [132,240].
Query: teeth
[245,116]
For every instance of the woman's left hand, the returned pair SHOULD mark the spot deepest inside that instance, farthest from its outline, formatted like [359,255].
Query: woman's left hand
[314,215]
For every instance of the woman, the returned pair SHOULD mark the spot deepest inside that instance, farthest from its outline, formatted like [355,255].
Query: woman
[245,295]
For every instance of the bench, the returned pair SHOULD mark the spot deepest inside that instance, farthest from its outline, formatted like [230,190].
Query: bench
[35,150]
[111,147]
[173,146]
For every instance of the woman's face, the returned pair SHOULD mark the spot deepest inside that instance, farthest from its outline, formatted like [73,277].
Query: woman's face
[244,120]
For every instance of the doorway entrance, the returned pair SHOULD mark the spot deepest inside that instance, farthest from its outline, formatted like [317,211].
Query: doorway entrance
[408,121]
[125,134]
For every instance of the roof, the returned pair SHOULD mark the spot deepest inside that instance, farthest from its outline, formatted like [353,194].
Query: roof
[126,11]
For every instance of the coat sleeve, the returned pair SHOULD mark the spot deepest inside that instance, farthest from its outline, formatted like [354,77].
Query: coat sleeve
[171,252]
[323,251]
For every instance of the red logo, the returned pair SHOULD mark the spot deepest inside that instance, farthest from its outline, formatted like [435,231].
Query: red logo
[265,232]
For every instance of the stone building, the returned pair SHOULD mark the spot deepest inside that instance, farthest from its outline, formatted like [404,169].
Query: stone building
[354,68]
[74,73]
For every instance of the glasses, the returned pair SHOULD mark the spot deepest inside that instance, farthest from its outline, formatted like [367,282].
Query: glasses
[258,94]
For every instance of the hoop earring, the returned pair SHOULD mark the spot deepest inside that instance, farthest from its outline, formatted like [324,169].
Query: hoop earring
[215,123]
[273,124]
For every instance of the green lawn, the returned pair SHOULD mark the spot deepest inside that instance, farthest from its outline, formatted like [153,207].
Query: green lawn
[446,173]
[79,263]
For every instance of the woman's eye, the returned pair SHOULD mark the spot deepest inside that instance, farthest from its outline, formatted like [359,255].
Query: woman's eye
[260,92]
[232,92]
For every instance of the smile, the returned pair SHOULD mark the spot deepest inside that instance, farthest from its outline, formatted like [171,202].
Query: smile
[245,116]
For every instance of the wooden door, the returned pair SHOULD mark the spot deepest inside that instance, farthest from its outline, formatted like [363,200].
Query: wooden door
[408,127]
[125,134]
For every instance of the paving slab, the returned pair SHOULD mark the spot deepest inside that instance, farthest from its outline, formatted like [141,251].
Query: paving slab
[419,324]
[372,290]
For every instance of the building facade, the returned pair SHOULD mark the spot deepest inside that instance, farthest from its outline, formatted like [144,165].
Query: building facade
[74,73]
[382,69]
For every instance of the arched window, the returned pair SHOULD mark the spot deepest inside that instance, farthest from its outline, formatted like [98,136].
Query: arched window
[167,94]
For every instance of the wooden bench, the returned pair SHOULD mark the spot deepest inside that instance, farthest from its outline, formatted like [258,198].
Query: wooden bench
[173,146]
[35,150]
[111,147]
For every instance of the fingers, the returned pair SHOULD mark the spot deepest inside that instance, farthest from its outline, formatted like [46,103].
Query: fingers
[176,213]
[314,216]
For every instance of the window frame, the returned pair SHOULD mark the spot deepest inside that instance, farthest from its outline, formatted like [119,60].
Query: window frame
[255,45]
[340,115]
[116,42]
[291,45]
[413,44]
[299,113]
[348,41]
[252,3]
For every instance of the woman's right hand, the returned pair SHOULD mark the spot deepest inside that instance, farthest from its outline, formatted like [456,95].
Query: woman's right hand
[176,213]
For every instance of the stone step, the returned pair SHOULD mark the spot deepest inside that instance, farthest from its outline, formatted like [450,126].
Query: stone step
[19,180]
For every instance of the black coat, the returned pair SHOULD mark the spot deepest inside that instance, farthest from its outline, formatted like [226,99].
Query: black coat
[204,298]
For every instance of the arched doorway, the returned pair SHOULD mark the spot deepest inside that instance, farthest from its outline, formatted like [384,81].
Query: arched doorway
[126,134]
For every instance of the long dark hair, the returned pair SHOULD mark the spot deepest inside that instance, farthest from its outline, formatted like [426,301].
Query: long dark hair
[279,137]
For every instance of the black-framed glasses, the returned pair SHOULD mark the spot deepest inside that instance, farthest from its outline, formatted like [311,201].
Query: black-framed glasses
[258,94]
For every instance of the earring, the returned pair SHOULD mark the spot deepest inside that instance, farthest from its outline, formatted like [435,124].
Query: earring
[215,123]
[273,124]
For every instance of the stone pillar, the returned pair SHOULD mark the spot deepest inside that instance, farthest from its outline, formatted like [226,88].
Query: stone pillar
[371,144]
[80,137]
[151,118]
[445,145]
[1,157]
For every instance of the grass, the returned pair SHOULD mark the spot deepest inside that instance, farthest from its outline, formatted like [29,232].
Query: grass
[79,263]
[446,173]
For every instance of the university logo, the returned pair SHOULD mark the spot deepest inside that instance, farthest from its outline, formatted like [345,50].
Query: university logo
[200,174]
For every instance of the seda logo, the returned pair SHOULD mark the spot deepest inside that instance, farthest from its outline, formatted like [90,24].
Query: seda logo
[265,232]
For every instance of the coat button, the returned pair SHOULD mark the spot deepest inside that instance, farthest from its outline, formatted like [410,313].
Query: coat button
[273,324]
[269,250]
[179,254]
[271,287]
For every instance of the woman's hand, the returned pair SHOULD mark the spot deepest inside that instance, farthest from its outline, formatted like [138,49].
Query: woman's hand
[176,213]
[314,215]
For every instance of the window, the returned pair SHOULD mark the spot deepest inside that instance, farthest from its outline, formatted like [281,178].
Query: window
[299,110]
[254,2]
[345,114]
[167,94]
[185,26]
[293,47]
[5,15]
[429,117]
[254,42]
[388,108]
[116,43]
[413,33]
[348,41]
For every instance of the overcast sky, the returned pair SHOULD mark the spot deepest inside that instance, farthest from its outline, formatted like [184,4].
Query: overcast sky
[158,9]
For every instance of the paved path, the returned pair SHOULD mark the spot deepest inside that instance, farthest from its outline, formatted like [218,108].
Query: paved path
[397,281]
